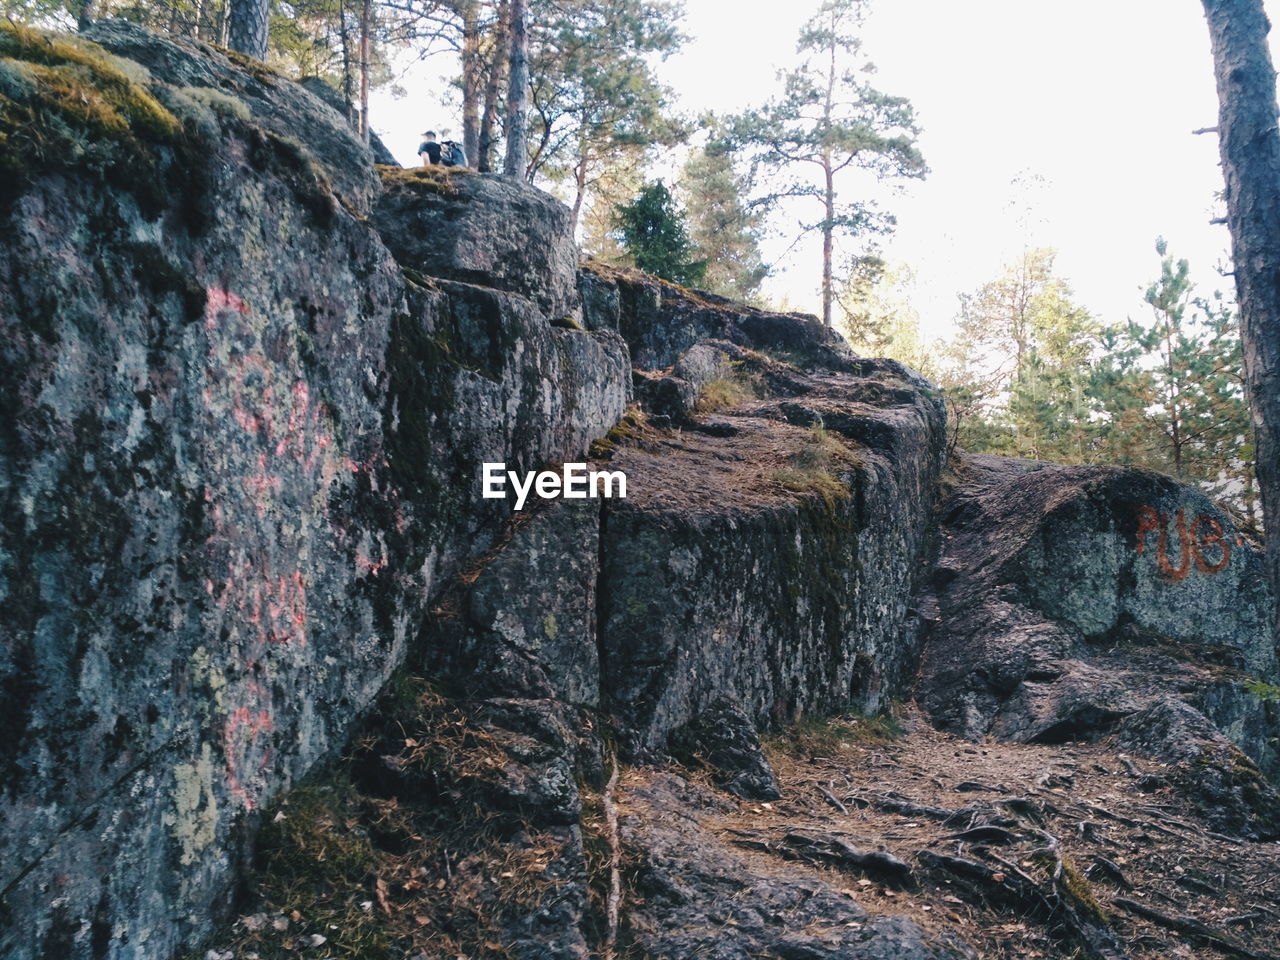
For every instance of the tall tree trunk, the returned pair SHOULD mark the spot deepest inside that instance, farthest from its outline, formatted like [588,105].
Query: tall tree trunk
[1250,147]
[366,26]
[493,87]
[247,28]
[471,77]
[828,231]
[518,93]
[580,186]
[348,73]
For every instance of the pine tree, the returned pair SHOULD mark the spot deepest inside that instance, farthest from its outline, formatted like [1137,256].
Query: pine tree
[1189,385]
[1018,372]
[724,230]
[249,20]
[879,319]
[829,123]
[1249,143]
[652,231]
[596,98]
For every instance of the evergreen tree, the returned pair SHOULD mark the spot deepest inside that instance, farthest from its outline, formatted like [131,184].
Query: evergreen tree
[725,231]
[1189,385]
[879,319]
[596,101]
[248,27]
[616,187]
[1018,371]
[829,123]
[652,231]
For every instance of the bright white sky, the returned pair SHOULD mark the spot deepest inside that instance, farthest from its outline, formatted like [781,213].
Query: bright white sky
[1092,102]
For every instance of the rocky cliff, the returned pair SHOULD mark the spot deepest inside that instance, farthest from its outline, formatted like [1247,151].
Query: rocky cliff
[279,680]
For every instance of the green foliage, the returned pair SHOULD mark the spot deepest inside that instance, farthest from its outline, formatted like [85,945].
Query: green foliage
[1032,374]
[879,319]
[828,125]
[1185,370]
[651,230]
[1263,690]
[725,231]
[1017,374]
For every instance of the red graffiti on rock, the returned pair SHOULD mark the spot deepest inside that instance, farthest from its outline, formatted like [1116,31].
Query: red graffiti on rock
[1205,544]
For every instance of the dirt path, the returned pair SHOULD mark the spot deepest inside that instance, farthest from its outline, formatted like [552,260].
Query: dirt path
[1131,856]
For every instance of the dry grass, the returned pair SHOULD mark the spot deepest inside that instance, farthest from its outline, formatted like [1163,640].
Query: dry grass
[813,467]
[832,736]
[430,179]
[726,392]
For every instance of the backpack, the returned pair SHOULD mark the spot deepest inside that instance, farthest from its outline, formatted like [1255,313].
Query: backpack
[452,154]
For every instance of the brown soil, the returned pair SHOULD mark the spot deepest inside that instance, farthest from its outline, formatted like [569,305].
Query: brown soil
[1085,797]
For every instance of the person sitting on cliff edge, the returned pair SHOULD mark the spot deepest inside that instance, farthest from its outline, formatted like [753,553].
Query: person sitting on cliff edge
[429,149]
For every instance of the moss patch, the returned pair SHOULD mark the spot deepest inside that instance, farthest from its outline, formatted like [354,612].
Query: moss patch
[66,103]
[432,179]
[633,426]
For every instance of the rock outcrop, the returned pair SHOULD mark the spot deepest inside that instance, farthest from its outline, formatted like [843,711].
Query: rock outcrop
[1071,598]
[257,604]
[233,471]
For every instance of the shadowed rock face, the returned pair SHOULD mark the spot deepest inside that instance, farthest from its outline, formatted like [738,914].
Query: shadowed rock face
[482,229]
[240,452]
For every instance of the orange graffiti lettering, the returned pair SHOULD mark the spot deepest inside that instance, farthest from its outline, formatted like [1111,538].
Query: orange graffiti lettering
[1148,520]
[1215,538]
[1206,534]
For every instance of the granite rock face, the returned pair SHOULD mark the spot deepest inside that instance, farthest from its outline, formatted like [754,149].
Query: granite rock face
[769,558]
[661,321]
[760,569]
[234,478]
[1070,598]
[482,229]
[1214,773]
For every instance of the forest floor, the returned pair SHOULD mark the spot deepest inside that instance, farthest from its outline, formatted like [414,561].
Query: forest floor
[1006,828]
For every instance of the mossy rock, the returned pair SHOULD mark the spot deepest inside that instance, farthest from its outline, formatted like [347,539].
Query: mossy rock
[67,103]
